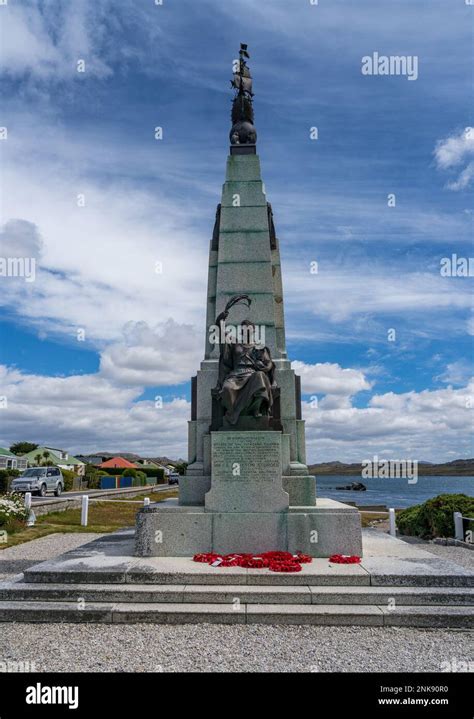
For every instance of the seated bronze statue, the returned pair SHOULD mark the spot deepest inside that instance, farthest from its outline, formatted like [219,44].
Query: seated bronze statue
[246,372]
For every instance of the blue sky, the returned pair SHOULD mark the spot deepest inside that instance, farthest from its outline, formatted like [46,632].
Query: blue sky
[149,201]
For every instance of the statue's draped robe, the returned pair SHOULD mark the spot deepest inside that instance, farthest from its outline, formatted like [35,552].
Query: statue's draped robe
[245,380]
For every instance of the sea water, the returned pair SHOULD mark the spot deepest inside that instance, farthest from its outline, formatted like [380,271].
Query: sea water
[396,493]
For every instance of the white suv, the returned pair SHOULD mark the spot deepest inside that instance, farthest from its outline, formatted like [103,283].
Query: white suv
[39,480]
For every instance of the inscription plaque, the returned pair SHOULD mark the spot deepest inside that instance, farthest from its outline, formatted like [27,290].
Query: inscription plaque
[246,473]
[246,457]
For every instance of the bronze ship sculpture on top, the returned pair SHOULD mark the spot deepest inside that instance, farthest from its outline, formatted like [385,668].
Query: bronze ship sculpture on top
[243,130]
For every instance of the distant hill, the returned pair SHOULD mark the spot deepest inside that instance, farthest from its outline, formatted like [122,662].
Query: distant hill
[126,455]
[167,460]
[456,468]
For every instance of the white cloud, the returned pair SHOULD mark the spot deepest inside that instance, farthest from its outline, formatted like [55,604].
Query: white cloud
[128,255]
[367,291]
[458,372]
[454,151]
[331,379]
[166,354]
[88,413]
[463,180]
[20,238]
[47,41]
[434,425]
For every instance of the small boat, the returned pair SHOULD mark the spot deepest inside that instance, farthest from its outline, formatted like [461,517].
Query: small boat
[354,487]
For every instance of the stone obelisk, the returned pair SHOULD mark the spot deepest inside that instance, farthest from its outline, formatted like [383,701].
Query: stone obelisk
[244,257]
[247,486]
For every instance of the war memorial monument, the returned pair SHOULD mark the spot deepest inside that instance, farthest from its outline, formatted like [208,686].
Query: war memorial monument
[247,487]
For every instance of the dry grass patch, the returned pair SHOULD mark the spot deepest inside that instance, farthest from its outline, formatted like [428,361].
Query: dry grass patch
[103,517]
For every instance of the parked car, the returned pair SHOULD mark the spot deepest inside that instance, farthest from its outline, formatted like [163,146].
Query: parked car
[173,478]
[39,480]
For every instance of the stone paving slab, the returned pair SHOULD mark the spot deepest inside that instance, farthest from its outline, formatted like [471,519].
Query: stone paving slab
[319,572]
[247,594]
[274,614]
[68,568]
[387,562]
[432,617]
[398,595]
[315,614]
[181,570]
[430,571]
[24,591]
[391,561]
[179,613]
[54,612]
[101,569]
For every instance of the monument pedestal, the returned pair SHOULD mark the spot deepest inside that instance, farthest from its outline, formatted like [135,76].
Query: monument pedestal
[247,509]
[171,530]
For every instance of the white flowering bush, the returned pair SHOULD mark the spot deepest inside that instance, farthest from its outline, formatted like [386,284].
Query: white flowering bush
[12,507]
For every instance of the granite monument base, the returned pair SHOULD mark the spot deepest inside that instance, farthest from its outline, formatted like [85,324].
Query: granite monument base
[171,530]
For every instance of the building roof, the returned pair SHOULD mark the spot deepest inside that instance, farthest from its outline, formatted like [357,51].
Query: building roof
[118,462]
[52,456]
[149,463]
[6,453]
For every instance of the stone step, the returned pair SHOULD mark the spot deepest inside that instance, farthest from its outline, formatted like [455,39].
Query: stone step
[230,594]
[455,617]
[179,613]
[82,567]
[78,567]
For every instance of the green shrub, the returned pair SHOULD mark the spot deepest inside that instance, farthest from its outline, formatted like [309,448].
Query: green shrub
[148,471]
[130,472]
[434,518]
[153,471]
[69,478]
[6,475]
[93,481]
[92,476]
[3,480]
[112,471]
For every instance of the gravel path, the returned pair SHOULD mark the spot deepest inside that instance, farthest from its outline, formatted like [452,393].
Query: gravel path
[220,648]
[459,555]
[16,559]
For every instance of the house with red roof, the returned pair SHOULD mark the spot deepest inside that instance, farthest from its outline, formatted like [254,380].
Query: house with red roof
[119,463]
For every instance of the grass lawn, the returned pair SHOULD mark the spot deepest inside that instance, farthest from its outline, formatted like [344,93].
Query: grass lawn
[103,517]
[367,518]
